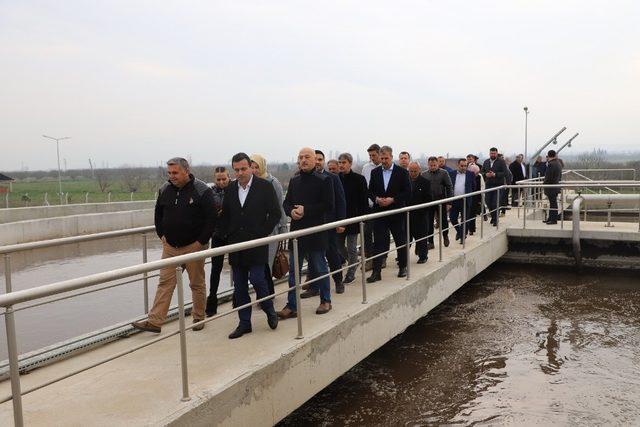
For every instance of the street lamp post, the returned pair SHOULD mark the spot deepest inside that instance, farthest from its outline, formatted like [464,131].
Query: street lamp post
[526,117]
[57,140]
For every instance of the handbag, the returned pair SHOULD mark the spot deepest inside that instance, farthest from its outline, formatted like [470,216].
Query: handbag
[280,262]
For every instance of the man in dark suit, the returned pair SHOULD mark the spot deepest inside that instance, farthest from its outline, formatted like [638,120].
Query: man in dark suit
[553,175]
[389,189]
[418,219]
[463,182]
[250,210]
[518,172]
[494,171]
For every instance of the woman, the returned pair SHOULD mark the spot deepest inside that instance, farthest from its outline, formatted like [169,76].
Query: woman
[259,166]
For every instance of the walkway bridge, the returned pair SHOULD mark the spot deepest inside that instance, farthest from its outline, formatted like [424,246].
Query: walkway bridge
[202,378]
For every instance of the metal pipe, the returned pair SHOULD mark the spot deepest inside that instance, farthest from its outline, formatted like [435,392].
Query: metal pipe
[363,264]
[464,223]
[408,248]
[440,233]
[183,336]
[576,230]
[482,214]
[524,210]
[12,347]
[145,275]
[296,274]
[498,199]
[608,224]
[562,209]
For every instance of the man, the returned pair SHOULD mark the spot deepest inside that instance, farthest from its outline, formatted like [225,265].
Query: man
[440,189]
[494,171]
[463,182]
[185,217]
[389,189]
[404,158]
[504,194]
[309,199]
[221,177]
[332,166]
[518,172]
[539,167]
[476,203]
[374,162]
[250,211]
[553,174]
[337,214]
[355,194]
[442,164]
[418,219]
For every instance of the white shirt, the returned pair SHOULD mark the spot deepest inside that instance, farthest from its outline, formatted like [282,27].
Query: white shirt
[461,180]
[242,192]
[524,170]
[366,170]
[386,176]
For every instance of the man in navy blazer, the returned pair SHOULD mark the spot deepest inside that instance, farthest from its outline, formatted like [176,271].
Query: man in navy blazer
[389,188]
[463,182]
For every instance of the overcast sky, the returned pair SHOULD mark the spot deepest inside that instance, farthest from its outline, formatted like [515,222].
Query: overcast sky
[139,82]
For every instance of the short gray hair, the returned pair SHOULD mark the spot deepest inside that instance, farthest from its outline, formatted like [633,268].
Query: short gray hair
[386,149]
[183,163]
[346,156]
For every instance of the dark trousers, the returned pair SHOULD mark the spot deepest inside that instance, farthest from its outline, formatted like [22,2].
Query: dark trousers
[504,200]
[476,209]
[515,196]
[214,277]
[368,239]
[381,228]
[241,278]
[553,206]
[418,228]
[334,258]
[444,222]
[317,267]
[457,212]
[492,198]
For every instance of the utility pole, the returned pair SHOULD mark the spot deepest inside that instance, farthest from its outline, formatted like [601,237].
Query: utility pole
[526,117]
[57,140]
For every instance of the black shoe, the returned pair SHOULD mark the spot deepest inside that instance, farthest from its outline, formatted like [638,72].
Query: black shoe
[272,319]
[551,222]
[458,237]
[422,260]
[446,241]
[375,276]
[239,331]
[339,288]
[402,272]
[430,245]
[212,306]
[309,293]
[348,279]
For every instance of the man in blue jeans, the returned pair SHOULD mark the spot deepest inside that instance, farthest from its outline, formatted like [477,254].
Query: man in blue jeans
[309,199]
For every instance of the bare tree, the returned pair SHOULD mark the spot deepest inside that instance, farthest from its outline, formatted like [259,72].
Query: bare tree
[103,179]
[132,179]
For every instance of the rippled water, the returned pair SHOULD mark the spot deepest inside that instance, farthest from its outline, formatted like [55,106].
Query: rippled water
[526,345]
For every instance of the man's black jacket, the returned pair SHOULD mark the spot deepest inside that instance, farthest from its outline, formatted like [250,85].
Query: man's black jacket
[399,188]
[184,215]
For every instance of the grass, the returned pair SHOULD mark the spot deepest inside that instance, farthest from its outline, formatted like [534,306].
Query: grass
[76,189]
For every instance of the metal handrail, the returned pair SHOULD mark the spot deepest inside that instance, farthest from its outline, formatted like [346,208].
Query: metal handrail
[11,298]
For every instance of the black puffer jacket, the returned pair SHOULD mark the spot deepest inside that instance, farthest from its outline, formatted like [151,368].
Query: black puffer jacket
[184,215]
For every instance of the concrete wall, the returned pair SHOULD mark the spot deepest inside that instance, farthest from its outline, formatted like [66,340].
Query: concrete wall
[40,212]
[269,392]
[73,225]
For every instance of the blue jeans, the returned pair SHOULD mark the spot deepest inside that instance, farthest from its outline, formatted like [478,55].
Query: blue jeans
[317,266]
[241,277]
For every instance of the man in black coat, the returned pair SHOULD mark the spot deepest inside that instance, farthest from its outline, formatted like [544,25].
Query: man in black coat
[553,175]
[250,211]
[309,200]
[494,171]
[418,219]
[518,172]
[355,193]
[389,188]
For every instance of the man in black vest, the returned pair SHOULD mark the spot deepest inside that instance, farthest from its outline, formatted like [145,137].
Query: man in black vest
[494,171]
[389,189]
[250,211]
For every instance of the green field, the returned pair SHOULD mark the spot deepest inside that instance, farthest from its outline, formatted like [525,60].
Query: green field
[32,192]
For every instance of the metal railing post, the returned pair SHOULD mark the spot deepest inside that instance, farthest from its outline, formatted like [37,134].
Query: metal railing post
[145,275]
[408,248]
[497,207]
[464,222]
[12,347]
[482,214]
[608,224]
[6,201]
[109,197]
[296,274]
[562,209]
[86,197]
[524,209]
[183,336]
[363,264]
[440,233]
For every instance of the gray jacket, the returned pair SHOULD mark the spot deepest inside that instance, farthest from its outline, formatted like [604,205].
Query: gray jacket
[440,181]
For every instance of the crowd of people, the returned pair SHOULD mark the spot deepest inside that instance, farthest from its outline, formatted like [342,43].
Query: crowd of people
[190,215]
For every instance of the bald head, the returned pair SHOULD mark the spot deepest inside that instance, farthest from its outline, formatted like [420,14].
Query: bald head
[307,159]
[414,170]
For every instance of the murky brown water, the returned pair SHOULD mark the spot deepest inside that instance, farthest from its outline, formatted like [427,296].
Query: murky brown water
[51,323]
[525,345]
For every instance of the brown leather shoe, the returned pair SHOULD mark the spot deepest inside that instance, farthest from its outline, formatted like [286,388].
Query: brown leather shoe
[287,313]
[324,308]
[198,327]
[146,326]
